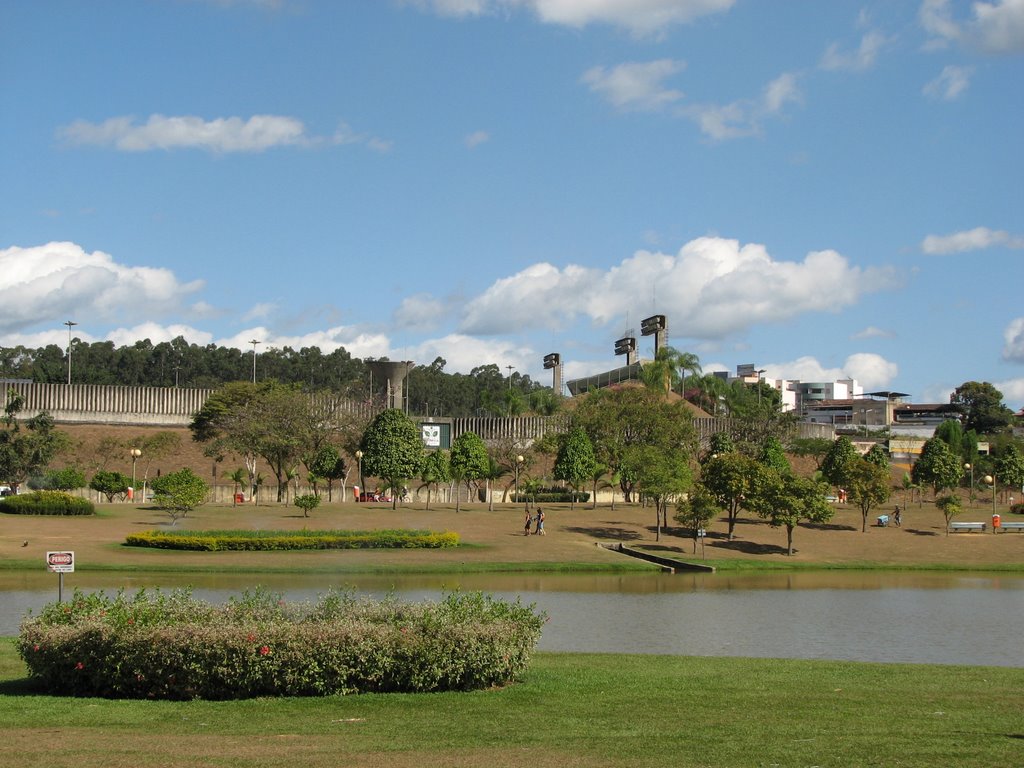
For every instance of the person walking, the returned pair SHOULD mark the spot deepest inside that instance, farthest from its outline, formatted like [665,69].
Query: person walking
[897,517]
[529,520]
[540,522]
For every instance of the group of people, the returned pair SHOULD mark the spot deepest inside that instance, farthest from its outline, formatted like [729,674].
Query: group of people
[532,520]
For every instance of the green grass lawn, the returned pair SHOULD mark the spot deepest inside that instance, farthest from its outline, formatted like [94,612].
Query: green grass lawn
[571,710]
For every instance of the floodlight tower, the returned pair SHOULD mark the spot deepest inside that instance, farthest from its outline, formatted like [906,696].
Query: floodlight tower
[657,327]
[553,363]
[626,346]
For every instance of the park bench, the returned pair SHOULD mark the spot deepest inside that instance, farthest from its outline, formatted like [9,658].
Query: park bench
[955,527]
[1012,526]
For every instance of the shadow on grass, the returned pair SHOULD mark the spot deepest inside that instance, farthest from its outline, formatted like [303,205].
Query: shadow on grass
[830,527]
[919,532]
[606,531]
[24,686]
[750,547]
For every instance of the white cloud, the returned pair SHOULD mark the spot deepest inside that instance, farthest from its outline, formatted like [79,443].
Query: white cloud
[156,333]
[950,83]
[715,287]
[1013,392]
[358,342]
[641,17]
[635,85]
[261,310]
[53,282]
[870,371]
[464,353]
[743,117]
[421,311]
[1013,350]
[224,134]
[477,138]
[994,27]
[975,239]
[859,60]
[872,332]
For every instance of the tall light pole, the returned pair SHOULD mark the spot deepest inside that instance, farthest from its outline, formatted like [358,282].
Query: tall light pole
[519,463]
[970,468]
[254,342]
[359,460]
[760,373]
[70,324]
[510,369]
[991,480]
[135,452]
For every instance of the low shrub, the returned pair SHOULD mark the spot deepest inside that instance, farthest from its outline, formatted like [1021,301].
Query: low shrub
[1017,509]
[552,496]
[213,541]
[46,503]
[172,646]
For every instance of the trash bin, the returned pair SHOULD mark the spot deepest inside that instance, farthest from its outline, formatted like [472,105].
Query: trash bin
[997,522]
[131,493]
[239,498]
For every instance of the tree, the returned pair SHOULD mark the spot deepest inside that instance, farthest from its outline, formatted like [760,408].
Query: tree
[435,470]
[982,406]
[327,463]
[179,492]
[838,460]
[306,502]
[67,479]
[1010,467]
[663,476]
[731,480]
[237,477]
[868,485]
[878,456]
[937,466]
[26,452]
[696,511]
[575,461]
[719,443]
[773,456]
[786,500]
[392,449]
[468,461]
[494,472]
[816,448]
[110,484]
[950,507]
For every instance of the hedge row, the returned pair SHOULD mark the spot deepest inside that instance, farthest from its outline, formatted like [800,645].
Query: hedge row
[46,503]
[213,541]
[552,497]
[155,645]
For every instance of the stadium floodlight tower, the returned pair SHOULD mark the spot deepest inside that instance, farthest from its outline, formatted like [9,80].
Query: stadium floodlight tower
[395,374]
[626,346]
[657,327]
[553,363]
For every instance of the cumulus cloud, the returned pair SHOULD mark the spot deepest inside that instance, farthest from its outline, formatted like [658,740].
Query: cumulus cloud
[715,286]
[357,341]
[993,27]
[52,282]
[744,117]
[870,371]
[635,85]
[224,134]
[860,60]
[950,84]
[640,17]
[1013,392]
[464,353]
[421,311]
[156,333]
[976,239]
[1013,349]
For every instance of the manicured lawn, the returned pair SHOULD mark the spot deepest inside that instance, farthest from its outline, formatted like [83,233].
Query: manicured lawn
[571,710]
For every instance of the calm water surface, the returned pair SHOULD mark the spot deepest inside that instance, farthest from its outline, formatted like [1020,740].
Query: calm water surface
[887,617]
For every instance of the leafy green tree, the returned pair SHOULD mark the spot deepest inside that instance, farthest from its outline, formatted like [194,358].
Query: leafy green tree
[663,477]
[868,486]
[1010,467]
[179,492]
[237,478]
[816,448]
[950,507]
[786,500]
[731,478]
[878,456]
[494,472]
[435,471]
[575,461]
[937,466]
[773,456]
[719,443]
[982,406]
[392,449]
[837,461]
[307,502]
[468,461]
[110,484]
[328,464]
[26,452]
[67,479]
[697,511]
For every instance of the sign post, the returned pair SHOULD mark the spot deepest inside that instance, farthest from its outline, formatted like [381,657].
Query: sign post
[60,563]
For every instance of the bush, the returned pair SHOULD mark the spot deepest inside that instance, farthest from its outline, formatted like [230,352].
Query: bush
[1017,509]
[46,503]
[171,646]
[554,495]
[212,541]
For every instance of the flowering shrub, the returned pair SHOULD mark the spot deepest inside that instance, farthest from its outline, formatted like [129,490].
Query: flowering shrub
[212,541]
[172,646]
[46,503]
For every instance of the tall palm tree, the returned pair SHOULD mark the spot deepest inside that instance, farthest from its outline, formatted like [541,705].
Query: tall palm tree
[711,390]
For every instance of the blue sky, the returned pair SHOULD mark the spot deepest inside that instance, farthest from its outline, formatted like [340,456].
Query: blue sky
[823,189]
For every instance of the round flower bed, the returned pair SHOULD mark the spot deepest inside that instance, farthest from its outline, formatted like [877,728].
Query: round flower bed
[172,646]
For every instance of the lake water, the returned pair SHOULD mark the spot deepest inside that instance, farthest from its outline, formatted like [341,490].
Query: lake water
[929,618]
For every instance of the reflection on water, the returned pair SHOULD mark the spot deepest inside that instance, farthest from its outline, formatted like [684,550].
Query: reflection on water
[917,617]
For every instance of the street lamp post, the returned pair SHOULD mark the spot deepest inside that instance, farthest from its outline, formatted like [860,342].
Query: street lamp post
[70,324]
[359,461]
[254,342]
[135,452]
[519,463]
[760,373]
[970,468]
[991,480]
